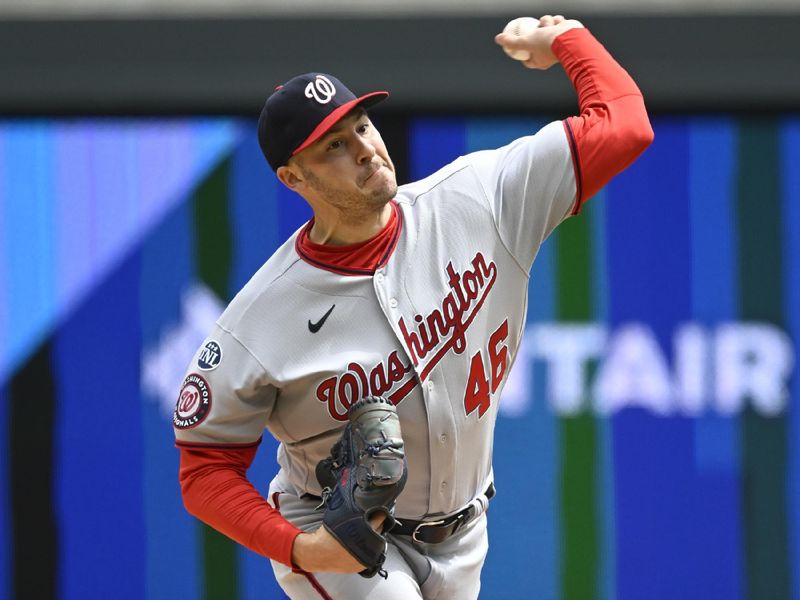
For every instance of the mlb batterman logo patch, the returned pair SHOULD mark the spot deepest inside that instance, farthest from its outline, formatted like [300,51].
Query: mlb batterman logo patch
[210,356]
[194,402]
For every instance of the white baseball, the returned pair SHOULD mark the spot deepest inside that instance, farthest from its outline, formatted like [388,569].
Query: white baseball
[518,27]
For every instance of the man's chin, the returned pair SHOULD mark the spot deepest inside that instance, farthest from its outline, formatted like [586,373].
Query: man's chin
[385,194]
[382,190]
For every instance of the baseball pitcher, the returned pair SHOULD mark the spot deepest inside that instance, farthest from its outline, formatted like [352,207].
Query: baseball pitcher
[375,342]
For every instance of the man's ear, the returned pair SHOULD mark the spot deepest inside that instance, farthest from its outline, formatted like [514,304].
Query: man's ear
[288,177]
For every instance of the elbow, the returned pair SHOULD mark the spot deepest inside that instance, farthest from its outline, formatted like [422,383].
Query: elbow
[636,138]
[190,501]
[630,124]
[640,131]
[193,492]
[643,136]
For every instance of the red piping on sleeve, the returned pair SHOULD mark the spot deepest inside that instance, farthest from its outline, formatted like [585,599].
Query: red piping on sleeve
[576,166]
[612,129]
[181,444]
[216,490]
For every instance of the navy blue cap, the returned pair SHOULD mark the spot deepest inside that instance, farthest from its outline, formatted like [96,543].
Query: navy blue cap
[301,111]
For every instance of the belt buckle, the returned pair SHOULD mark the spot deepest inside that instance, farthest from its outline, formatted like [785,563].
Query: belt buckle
[426,524]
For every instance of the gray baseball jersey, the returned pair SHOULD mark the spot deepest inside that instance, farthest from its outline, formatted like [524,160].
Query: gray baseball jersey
[435,329]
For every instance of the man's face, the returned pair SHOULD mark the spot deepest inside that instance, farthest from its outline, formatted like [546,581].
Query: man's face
[348,168]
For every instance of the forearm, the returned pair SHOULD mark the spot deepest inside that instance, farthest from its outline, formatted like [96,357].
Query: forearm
[613,128]
[216,490]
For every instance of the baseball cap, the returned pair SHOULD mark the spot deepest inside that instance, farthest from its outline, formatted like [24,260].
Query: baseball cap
[301,111]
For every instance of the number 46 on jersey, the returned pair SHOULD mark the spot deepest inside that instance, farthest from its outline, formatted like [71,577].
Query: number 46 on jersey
[482,383]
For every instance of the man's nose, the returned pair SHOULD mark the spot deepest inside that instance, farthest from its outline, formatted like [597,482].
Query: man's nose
[366,150]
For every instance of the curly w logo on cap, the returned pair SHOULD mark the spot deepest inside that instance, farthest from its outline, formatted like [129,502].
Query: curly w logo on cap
[321,89]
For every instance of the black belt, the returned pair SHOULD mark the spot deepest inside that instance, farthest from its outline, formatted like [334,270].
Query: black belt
[435,532]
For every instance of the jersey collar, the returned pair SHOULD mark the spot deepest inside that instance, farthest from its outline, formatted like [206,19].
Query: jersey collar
[363,258]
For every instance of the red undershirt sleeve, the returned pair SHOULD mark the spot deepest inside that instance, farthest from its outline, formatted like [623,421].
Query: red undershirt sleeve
[216,490]
[612,129]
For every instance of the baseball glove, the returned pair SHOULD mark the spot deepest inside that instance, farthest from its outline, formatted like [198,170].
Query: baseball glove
[364,475]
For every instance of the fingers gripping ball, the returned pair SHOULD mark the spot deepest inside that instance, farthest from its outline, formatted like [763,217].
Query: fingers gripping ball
[519,27]
[363,476]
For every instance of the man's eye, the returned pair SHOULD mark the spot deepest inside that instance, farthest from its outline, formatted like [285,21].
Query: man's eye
[363,128]
[335,144]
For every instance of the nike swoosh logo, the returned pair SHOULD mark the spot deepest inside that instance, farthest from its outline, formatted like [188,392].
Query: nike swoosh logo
[315,327]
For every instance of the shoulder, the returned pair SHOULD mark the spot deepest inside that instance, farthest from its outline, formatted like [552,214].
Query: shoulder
[449,183]
[485,166]
[262,290]
[408,193]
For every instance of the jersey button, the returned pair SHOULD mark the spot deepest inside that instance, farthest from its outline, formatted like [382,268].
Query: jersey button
[379,277]
[430,386]
[444,485]
[443,438]
[393,303]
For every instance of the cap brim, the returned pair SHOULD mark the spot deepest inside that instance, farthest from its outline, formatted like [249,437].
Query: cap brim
[337,115]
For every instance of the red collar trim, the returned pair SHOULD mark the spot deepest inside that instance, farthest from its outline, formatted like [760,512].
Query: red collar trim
[362,259]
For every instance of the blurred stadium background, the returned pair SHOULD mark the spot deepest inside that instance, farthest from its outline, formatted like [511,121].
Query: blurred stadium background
[649,441]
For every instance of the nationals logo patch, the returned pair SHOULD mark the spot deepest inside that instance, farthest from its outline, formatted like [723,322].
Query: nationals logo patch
[194,402]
